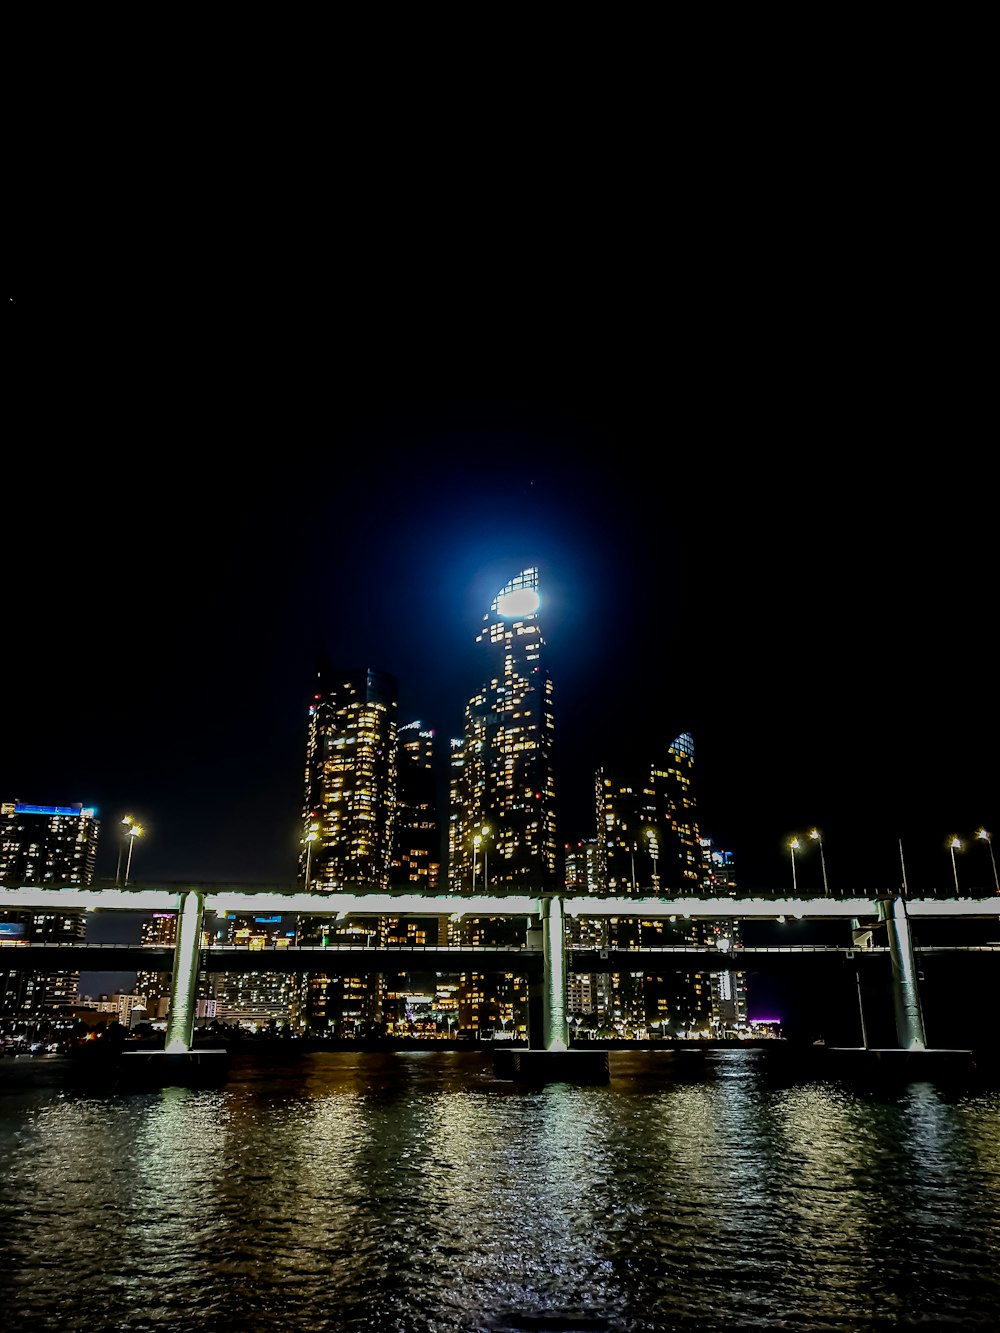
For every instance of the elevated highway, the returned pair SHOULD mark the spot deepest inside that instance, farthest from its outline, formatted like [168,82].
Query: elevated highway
[548,952]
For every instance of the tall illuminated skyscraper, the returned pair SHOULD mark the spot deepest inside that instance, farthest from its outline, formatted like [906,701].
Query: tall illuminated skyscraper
[348,830]
[416,848]
[350,781]
[502,827]
[506,788]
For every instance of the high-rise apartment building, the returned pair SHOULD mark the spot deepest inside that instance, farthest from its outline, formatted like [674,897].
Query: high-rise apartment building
[647,827]
[416,846]
[350,781]
[506,796]
[502,829]
[45,846]
[649,843]
[349,824]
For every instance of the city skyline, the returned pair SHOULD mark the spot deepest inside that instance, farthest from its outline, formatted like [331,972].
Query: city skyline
[787,586]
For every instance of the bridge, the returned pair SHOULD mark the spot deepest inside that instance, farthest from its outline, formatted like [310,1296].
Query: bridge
[546,955]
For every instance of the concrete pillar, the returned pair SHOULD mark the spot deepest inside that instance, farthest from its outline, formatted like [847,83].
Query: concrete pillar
[906,997]
[184,980]
[555,1036]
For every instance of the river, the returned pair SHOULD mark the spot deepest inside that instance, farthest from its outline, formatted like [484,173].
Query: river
[416,1192]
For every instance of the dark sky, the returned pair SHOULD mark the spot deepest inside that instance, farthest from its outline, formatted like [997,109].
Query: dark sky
[759,497]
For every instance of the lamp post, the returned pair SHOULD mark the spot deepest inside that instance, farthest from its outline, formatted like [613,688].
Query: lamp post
[475,858]
[953,847]
[135,831]
[128,821]
[822,859]
[309,839]
[793,847]
[985,837]
[486,859]
[654,851]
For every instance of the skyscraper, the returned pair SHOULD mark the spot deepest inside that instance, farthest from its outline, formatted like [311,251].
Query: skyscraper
[350,781]
[647,826]
[349,823]
[45,845]
[416,846]
[502,829]
[506,785]
[648,843]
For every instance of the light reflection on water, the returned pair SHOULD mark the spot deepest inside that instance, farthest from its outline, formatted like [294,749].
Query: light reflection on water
[414,1192]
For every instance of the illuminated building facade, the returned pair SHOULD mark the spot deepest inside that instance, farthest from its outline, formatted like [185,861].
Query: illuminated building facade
[44,845]
[154,987]
[647,830]
[506,794]
[502,827]
[649,843]
[348,835]
[350,781]
[257,1001]
[416,848]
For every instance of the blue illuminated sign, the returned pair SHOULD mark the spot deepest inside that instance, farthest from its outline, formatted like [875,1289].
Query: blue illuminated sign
[20,809]
[267,918]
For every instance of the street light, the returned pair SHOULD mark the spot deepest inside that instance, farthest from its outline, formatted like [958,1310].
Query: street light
[793,847]
[309,839]
[954,846]
[135,831]
[475,858]
[989,843]
[128,821]
[822,859]
[486,858]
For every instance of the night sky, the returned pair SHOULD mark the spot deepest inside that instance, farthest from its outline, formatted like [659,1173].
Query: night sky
[759,510]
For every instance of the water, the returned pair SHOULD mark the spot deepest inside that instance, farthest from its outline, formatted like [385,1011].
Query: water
[414,1192]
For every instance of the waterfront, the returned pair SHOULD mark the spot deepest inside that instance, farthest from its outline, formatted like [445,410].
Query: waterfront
[415,1192]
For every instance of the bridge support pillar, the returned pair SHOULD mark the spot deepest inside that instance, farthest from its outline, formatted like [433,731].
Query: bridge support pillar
[555,1034]
[906,997]
[183,982]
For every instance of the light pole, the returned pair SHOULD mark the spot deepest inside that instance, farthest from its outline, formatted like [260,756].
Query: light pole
[822,859]
[486,859]
[128,821]
[793,847]
[954,846]
[982,834]
[309,839]
[475,858]
[135,831]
